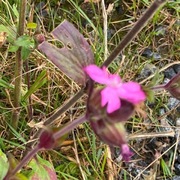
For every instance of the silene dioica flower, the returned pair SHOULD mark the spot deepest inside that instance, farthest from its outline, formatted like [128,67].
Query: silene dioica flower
[115,89]
[109,107]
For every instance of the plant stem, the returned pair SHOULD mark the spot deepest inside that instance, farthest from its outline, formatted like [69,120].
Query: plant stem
[134,31]
[158,87]
[138,26]
[70,126]
[64,108]
[127,39]
[18,67]
[52,118]
[29,156]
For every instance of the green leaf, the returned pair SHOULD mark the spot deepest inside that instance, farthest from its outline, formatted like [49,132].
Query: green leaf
[41,170]
[4,165]
[25,41]
[25,52]
[5,84]
[146,2]
[13,48]
[15,11]
[156,79]
[165,168]
[31,25]
[40,81]
[150,94]
[20,176]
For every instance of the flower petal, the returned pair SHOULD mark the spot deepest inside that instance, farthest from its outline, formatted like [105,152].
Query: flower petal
[132,92]
[101,76]
[113,80]
[126,152]
[97,74]
[110,97]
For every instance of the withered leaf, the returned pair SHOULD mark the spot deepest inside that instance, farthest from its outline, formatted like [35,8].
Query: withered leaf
[74,56]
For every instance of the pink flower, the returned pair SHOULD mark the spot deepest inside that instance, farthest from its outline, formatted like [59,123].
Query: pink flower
[115,89]
[126,152]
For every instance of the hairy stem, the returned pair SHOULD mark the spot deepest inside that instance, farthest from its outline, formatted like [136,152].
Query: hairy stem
[158,87]
[127,39]
[134,31]
[138,26]
[52,118]
[18,66]
[64,108]
[70,126]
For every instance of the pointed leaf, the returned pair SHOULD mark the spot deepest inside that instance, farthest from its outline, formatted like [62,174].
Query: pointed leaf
[40,81]
[74,56]
[13,48]
[25,41]
[25,52]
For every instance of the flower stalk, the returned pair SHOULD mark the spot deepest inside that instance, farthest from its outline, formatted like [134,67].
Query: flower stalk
[25,160]
[47,141]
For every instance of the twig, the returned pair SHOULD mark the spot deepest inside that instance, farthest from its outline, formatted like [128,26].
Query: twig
[109,164]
